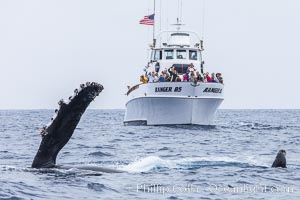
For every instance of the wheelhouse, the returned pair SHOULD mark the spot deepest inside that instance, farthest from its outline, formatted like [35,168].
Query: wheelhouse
[179,51]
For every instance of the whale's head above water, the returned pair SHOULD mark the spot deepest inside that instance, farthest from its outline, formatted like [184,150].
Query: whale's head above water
[58,133]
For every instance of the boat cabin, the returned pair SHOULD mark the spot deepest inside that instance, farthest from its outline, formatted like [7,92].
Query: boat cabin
[178,51]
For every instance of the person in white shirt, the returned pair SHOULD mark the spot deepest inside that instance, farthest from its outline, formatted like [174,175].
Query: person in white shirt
[191,68]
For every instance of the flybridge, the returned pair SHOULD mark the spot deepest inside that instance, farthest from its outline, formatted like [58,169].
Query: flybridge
[179,38]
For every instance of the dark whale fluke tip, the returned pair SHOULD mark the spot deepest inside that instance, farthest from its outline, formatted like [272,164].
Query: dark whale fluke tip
[60,130]
[280,160]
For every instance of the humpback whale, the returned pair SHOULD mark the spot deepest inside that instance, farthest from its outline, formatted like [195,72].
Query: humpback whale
[280,160]
[61,128]
[59,131]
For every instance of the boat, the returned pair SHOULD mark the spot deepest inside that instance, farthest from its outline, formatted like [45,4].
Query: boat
[174,103]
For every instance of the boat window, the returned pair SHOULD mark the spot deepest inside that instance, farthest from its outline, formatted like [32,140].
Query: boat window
[157,55]
[181,54]
[193,55]
[169,54]
[181,68]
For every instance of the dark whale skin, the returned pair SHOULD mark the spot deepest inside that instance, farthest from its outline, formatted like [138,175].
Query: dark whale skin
[280,160]
[61,129]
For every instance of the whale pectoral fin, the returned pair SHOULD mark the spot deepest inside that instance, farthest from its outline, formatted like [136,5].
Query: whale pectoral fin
[59,132]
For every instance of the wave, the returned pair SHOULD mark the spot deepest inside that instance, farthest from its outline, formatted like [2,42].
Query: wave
[100,154]
[99,187]
[151,163]
[262,126]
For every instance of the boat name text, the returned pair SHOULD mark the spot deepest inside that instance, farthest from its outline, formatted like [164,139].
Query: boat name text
[168,89]
[213,90]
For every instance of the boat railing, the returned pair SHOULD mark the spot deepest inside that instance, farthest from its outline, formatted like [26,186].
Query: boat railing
[131,89]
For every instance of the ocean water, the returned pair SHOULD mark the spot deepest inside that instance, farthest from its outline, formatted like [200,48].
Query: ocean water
[230,160]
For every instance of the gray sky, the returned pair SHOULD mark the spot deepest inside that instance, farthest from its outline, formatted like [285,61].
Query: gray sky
[47,48]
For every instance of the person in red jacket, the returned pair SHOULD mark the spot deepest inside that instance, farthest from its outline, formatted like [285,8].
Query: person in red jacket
[208,78]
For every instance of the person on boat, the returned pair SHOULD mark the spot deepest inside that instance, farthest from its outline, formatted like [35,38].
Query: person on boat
[204,78]
[150,77]
[174,76]
[155,79]
[193,77]
[171,70]
[191,68]
[186,76]
[165,71]
[143,79]
[219,77]
[214,78]
[161,77]
[208,78]
[167,77]
[199,78]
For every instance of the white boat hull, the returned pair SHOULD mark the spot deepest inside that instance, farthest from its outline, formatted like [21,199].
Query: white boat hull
[161,104]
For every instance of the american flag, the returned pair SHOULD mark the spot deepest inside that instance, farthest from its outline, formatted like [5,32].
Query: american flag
[148,20]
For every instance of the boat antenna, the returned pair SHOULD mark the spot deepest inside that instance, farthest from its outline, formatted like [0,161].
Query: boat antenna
[203,18]
[160,5]
[154,40]
[179,16]
[167,14]
[203,32]
[179,11]
[178,8]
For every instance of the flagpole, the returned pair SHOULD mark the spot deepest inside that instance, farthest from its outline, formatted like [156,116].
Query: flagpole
[154,40]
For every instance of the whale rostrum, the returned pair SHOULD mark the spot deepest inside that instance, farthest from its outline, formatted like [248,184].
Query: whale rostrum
[280,160]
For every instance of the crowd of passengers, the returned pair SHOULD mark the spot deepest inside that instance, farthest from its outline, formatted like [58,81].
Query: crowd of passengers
[191,75]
